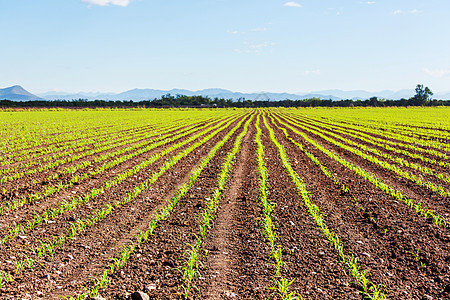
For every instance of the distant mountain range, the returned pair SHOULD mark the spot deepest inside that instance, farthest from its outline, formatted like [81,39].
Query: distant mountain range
[150,94]
[17,93]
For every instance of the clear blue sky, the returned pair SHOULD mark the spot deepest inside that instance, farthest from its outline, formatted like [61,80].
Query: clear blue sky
[242,45]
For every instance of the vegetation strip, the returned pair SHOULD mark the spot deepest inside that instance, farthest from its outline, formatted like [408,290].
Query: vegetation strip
[383,144]
[80,225]
[281,284]
[65,206]
[71,155]
[190,270]
[407,175]
[411,142]
[327,130]
[8,206]
[143,143]
[369,289]
[80,166]
[69,148]
[164,213]
[329,174]
[414,204]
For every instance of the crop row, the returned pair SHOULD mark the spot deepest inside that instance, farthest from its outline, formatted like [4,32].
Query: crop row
[281,284]
[192,263]
[329,174]
[119,260]
[382,144]
[370,289]
[438,189]
[82,224]
[24,149]
[417,206]
[133,144]
[35,156]
[72,155]
[399,140]
[404,129]
[65,206]
[39,132]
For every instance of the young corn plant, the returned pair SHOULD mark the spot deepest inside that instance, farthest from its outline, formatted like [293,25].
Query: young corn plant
[282,289]
[314,211]
[424,212]
[66,206]
[190,270]
[165,212]
[408,175]
[5,277]
[81,225]
[281,284]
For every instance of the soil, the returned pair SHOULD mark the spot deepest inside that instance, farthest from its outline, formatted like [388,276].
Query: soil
[401,251]
[385,248]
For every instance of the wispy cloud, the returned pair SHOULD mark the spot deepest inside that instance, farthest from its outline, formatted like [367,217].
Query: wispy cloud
[292,4]
[254,48]
[107,2]
[401,12]
[311,72]
[234,32]
[439,73]
[259,29]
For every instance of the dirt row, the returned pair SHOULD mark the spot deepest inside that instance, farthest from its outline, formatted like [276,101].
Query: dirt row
[427,197]
[367,130]
[25,185]
[386,247]
[85,256]
[60,145]
[435,167]
[84,186]
[399,249]
[71,139]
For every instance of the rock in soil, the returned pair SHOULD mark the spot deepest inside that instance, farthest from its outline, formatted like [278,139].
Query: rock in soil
[139,296]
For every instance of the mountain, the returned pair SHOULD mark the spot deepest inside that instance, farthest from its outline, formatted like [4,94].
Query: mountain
[444,96]
[17,93]
[362,95]
[322,96]
[150,94]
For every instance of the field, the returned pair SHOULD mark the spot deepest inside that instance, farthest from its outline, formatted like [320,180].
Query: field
[225,204]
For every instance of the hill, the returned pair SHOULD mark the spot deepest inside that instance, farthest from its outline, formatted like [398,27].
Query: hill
[17,93]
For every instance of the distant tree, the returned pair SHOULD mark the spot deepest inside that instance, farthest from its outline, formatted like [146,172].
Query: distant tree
[373,101]
[422,96]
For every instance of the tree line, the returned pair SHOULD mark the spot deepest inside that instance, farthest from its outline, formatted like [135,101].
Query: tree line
[422,98]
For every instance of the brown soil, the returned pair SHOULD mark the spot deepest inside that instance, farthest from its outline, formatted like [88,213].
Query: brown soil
[400,250]
[427,197]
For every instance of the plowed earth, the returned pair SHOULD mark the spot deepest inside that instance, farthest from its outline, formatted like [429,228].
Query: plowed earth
[404,254]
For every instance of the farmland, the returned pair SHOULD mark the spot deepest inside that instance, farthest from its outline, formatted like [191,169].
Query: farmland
[233,204]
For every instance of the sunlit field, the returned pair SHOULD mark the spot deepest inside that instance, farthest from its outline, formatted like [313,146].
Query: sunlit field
[318,203]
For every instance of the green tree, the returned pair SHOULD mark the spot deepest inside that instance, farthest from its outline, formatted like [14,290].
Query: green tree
[422,96]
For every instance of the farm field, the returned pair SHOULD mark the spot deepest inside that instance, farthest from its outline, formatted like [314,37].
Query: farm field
[225,204]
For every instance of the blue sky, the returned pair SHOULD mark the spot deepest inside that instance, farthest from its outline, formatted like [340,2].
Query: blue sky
[242,45]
